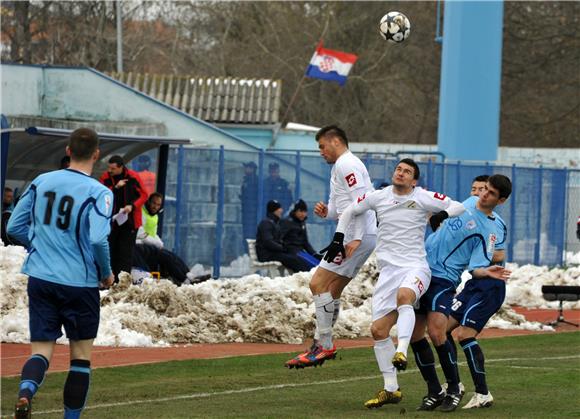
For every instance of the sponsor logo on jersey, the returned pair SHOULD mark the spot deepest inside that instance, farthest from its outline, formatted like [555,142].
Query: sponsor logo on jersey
[491,242]
[419,284]
[471,224]
[361,198]
[455,224]
[411,205]
[337,259]
[439,196]
[350,179]
[107,203]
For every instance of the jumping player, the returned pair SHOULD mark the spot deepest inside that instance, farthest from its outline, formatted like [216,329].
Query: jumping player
[349,179]
[63,218]
[402,210]
[465,242]
[479,300]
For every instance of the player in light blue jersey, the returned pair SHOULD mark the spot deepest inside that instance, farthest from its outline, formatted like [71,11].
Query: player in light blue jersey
[479,300]
[63,218]
[464,242]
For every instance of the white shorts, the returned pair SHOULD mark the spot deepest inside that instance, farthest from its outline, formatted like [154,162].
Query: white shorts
[349,267]
[390,280]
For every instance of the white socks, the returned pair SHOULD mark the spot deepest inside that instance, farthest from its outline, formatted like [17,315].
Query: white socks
[335,315]
[384,352]
[324,304]
[405,325]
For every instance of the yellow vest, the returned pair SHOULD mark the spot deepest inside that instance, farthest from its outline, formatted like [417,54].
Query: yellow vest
[149,222]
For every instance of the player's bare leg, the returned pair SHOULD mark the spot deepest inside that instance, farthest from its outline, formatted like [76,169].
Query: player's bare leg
[384,351]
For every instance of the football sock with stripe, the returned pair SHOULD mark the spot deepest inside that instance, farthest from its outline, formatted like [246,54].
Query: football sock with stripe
[76,388]
[475,360]
[324,304]
[32,376]
[405,325]
[449,366]
[384,351]
[426,362]
[336,312]
[454,349]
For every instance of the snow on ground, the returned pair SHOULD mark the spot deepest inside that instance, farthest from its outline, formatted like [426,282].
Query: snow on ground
[247,309]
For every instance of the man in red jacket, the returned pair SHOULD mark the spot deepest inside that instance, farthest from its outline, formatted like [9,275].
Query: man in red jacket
[128,198]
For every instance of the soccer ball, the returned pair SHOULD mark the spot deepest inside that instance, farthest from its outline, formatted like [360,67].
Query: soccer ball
[395,27]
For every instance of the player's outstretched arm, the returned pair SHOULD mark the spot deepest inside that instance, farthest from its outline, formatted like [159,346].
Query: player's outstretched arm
[494,271]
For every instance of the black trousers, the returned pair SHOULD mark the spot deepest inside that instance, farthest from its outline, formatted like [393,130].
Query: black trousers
[121,245]
[289,260]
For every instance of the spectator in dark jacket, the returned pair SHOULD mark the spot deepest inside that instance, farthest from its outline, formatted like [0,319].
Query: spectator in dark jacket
[249,199]
[276,188]
[294,235]
[128,197]
[269,244]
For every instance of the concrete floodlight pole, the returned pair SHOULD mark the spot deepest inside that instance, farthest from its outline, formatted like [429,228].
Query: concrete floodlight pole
[119,37]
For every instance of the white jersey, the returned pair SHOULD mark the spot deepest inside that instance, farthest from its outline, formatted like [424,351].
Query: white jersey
[402,223]
[349,180]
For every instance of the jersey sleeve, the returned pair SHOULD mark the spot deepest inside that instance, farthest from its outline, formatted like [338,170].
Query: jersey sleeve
[100,227]
[353,181]
[354,212]
[435,202]
[19,223]
[501,234]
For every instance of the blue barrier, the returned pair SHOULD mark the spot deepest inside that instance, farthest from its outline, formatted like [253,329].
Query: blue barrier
[203,207]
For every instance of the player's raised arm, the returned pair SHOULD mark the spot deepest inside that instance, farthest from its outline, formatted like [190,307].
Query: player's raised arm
[441,206]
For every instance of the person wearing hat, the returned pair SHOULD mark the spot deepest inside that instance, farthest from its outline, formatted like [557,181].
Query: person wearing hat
[276,188]
[295,236]
[249,199]
[269,245]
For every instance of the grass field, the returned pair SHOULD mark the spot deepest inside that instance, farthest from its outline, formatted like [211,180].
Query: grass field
[535,376]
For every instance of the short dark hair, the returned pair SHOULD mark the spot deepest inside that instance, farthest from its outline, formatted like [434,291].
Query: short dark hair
[82,143]
[414,165]
[332,131]
[118,160]
[502,183]
[480,178]
[154,195]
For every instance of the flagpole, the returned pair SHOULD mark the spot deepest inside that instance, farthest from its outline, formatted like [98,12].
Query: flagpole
[292,100]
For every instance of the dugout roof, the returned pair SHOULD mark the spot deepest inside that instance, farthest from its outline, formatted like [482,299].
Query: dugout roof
[28,152]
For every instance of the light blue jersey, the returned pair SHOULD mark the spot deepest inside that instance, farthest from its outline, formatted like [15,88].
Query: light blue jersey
[64,220]
[500,224]
[464,242]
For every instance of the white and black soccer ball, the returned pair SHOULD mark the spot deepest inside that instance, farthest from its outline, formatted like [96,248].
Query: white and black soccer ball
[395,27]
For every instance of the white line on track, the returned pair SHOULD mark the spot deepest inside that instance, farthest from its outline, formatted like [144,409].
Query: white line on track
[279,386]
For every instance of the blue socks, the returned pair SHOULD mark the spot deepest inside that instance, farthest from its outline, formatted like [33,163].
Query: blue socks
[475,360]
[32,376]
[426,363]
[76,388]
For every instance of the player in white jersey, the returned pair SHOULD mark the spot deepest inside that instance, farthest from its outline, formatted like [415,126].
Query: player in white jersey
[349,180]
[402,210]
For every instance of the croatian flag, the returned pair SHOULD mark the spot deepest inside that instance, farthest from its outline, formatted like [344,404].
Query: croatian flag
[331,65]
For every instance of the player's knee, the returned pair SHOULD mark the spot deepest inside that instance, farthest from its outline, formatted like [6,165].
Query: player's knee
[463,333]
[379,333]
[438,337]
[405,296]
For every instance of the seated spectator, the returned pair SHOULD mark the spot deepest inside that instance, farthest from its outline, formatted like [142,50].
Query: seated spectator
[269,244]
[295,236]
[147,233]
[150,258]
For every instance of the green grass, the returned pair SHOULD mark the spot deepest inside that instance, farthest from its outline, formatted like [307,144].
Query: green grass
[524,374]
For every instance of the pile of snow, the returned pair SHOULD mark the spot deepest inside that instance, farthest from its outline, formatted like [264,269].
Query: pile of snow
[247,309]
